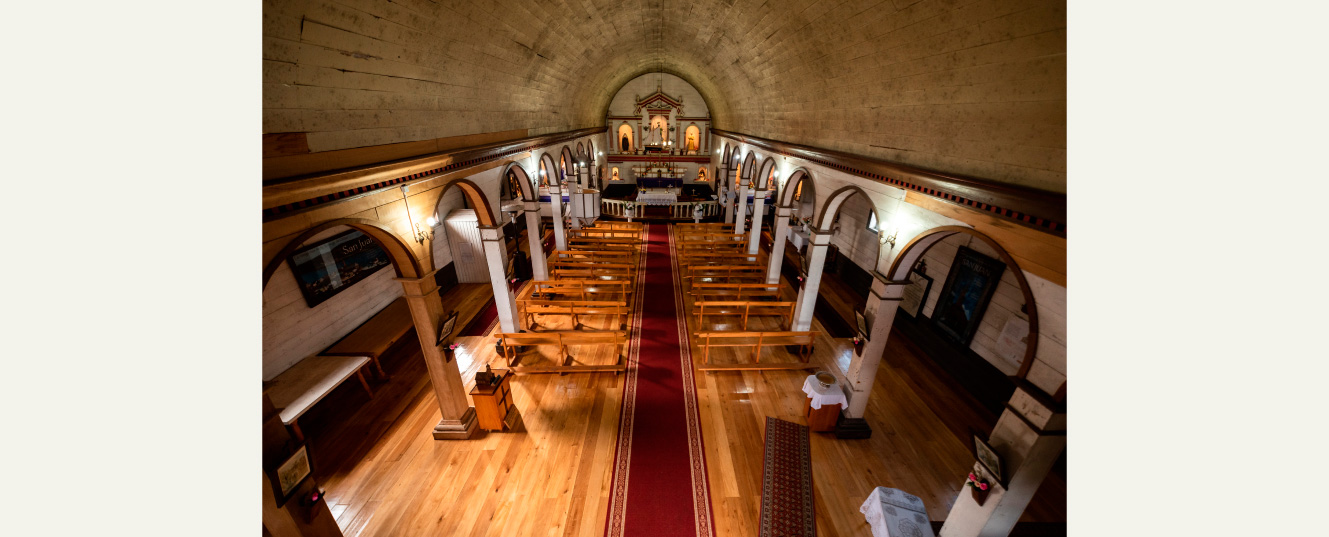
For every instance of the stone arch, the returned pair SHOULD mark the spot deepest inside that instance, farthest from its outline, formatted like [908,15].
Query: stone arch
[566,161]
[920,244]
[405,263]
[791,186]
[833,204]
[476,197]
[581,149]
[764,173]
[549,170]
[523,180]
[748,163]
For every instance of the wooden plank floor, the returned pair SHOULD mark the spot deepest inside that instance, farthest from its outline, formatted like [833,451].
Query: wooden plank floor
[385,475]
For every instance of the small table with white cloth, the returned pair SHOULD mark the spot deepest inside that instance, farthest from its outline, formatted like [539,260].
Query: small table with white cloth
[823,406]
[896,513]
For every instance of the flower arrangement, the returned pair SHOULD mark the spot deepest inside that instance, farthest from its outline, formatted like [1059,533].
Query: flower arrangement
[977,482]
[453,347]
[858,340]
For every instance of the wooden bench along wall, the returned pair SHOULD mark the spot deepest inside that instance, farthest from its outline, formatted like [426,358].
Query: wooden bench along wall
[528,308]
[745,309]
[375,336]
[756,340]
[296,390]
[563,339]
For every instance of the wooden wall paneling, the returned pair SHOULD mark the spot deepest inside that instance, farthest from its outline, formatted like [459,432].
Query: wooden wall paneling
[1037,252]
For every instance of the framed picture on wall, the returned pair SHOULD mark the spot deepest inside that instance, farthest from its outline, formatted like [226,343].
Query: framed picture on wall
[329,266]
[445,327]
[965,295]
[988,458]
[288,475]
[916,293]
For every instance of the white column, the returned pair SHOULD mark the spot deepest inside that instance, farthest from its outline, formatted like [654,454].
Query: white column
[574,195]
[492,238]
[807,295]
[539,269]
[883,301]
[758,211]
[556,207]
[780,237]
[1029,436]
[741,214]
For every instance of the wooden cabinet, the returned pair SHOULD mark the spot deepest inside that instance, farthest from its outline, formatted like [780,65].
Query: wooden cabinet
[822,419]
[493,403]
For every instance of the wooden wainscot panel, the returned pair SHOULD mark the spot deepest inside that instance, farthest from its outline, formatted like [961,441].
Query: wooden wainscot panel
[1039,253]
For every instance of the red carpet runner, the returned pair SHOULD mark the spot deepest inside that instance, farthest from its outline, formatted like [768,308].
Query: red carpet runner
[659,486]
[786,489]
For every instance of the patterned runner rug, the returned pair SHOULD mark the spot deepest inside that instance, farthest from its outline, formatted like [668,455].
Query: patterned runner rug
[786,490]
[659,486]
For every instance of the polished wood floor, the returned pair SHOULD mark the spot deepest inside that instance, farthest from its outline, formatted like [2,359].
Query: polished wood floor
[385,475]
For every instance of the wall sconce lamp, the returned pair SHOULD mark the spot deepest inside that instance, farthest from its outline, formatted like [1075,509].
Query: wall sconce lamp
[888,239]
[421,234]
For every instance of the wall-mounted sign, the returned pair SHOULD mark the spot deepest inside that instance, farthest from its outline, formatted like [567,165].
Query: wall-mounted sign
[964,298]
[327,267]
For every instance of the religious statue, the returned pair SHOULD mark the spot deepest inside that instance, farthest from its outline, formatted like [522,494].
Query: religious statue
[701,175]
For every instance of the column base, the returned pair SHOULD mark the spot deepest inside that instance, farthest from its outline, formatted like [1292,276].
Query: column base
[458,429]
[853,428]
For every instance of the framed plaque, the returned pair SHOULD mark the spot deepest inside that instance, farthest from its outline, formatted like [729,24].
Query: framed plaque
[916,293]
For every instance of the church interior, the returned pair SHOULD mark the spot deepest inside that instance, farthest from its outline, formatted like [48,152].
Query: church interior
[649,268]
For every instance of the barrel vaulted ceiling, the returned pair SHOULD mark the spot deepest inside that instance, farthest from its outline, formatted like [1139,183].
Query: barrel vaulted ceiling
[975,87]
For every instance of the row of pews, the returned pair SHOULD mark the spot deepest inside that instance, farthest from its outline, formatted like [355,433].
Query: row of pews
[586,307]
[732,304]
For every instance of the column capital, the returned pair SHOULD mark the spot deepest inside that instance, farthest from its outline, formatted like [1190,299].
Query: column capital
[491,233]
[820,238]
[784,212]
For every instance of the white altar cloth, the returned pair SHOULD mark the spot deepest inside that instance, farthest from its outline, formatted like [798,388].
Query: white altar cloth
[896,513]
[657,198]
[830,395]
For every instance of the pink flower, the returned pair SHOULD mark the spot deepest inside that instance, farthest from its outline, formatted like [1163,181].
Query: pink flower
[972,478]
[982,486]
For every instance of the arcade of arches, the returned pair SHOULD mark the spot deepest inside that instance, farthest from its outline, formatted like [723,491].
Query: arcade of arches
[894,194]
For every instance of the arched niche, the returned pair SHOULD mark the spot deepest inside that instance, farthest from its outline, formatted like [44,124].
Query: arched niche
[914,250]
[692,138]
[625,138]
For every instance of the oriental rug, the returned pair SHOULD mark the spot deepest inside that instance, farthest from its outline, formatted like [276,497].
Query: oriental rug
[659,484]
[786,487]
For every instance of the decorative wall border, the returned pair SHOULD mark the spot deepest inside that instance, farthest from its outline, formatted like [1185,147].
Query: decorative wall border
[1038,209]
[455,159]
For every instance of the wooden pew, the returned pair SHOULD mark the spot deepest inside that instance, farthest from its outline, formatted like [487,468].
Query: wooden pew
[710,227]
[610,224]
[608,243]
[592,274]
[510,343]
[379,333]
[719,258]
[604,233]
[744,309]
[528,308]
[756,340]
[706,236]
[596,256]
[703,291]
[725,274]
[580,290]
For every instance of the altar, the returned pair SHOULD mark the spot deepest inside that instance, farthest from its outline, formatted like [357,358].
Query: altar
[659,182]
